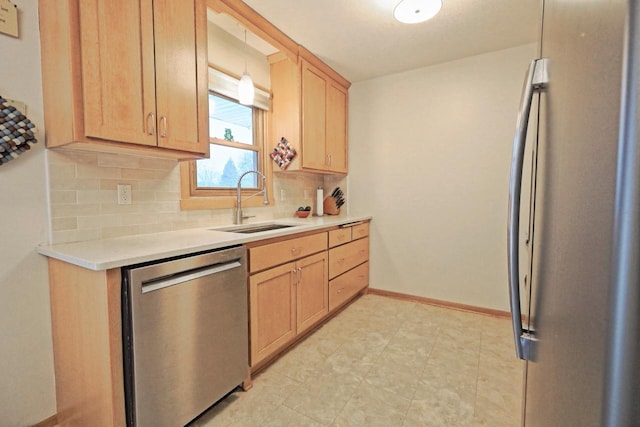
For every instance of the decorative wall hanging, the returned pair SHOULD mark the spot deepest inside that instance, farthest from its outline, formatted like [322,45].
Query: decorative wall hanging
[9,18]
[283,154]
[16,132]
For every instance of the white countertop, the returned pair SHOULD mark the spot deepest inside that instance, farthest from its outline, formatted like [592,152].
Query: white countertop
[121,251]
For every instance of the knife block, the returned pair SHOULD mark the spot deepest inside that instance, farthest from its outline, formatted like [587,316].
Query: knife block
[329,206]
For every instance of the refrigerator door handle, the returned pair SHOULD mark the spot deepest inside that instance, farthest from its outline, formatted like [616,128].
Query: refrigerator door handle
[536,79]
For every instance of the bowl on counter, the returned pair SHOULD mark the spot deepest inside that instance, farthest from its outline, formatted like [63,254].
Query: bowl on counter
[303,214]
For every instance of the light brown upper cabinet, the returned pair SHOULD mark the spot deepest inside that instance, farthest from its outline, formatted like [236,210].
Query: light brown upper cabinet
[126,76]
[310,111]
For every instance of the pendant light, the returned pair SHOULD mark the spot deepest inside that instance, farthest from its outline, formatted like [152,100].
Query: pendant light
[415,11]
[246,91]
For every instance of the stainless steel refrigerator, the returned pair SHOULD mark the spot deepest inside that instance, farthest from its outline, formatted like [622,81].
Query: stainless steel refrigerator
[576,221]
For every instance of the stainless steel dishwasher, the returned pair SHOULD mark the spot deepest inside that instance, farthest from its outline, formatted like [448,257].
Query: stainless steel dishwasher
[185,335]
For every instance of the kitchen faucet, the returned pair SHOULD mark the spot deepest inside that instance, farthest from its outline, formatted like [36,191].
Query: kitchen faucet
[238,217]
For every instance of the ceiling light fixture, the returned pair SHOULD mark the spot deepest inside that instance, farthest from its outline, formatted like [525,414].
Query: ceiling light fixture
[415,11]
[246,90]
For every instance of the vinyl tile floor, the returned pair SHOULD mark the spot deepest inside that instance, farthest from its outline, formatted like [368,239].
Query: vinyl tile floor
[385,362]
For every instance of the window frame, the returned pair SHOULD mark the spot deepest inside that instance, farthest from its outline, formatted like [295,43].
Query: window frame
[216,198]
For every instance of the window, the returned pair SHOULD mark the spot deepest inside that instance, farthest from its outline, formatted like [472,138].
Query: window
[232,146]
[236,135]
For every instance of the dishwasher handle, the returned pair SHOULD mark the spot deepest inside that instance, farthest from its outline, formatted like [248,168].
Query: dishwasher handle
[155,285]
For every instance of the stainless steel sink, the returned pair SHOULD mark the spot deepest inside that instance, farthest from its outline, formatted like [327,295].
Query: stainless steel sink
[253,228]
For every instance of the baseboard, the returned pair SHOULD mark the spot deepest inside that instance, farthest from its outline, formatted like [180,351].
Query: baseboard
[52,421]
[440,303]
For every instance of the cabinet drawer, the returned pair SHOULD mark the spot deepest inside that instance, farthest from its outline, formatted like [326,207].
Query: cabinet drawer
[346,286]
[339,236]
[266,256]
[345,257]
[359,231]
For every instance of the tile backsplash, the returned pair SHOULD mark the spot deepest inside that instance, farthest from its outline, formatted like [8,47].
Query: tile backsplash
[83,196]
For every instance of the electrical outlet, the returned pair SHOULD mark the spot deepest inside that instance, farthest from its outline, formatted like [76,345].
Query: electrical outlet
[283,195]
[124,194]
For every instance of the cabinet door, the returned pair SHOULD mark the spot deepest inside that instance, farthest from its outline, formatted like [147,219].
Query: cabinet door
[312,291]
[118,70]
[181,74]
[336,128]
[314,101]
[272,310]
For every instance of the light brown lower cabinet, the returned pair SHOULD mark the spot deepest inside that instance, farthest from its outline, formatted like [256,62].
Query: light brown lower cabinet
[284,302]
[86,321]
[348,263]
[296,283]
[289,294]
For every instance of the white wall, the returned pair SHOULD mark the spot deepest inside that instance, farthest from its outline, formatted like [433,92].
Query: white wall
[27,392]
[429,159]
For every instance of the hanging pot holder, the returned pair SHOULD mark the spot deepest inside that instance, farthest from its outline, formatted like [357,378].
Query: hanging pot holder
[16,134]
[283,154]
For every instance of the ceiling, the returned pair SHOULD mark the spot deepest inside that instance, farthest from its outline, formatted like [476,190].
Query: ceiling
[361,40]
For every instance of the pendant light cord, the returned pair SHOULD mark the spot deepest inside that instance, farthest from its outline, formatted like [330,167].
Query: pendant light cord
[245,50]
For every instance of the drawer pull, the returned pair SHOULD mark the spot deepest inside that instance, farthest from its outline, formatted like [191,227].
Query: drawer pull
[294,250]
[340,261]
[363,251]
[340,290]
